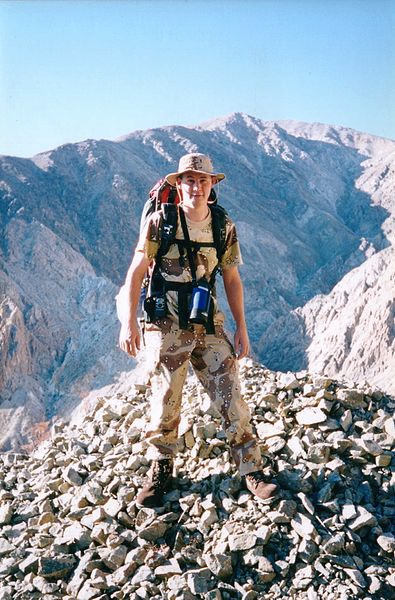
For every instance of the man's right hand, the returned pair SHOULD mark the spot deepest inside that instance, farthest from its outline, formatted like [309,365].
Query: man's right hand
[129,338]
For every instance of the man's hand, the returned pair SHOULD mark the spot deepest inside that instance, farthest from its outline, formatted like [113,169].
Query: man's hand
[129,338]
[241,342]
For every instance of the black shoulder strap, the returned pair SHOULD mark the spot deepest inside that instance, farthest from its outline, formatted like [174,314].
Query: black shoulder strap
[169,228]
[218,219]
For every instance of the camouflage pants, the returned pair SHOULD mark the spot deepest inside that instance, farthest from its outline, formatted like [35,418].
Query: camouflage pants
[214,362]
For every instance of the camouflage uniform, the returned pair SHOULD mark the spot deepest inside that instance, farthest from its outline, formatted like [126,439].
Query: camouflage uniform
[211,355]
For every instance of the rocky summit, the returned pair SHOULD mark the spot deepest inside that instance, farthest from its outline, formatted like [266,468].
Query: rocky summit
[70,527]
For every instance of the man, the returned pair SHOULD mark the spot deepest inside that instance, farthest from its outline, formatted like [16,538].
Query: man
[175,343]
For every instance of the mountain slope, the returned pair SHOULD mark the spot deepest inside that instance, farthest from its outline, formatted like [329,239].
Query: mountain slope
[57,327]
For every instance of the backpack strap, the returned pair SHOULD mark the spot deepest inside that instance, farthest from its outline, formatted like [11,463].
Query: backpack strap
[218,219]
[169,229]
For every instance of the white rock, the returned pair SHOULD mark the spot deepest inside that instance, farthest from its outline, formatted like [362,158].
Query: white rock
[303,526]
[199,580]
[112,507]
[349,512]
[5,514]
[389,427]
[364,519]
[267,430]
[296,447]
[242,541]
[387,542]
[357,577]
[310,415]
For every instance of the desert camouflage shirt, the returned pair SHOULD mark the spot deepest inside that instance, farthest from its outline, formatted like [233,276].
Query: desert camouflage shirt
[172,269]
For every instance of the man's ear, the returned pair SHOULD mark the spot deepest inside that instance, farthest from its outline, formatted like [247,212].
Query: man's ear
[178,187]
[214,180]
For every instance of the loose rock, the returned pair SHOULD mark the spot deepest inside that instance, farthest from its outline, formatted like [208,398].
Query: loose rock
[70,527]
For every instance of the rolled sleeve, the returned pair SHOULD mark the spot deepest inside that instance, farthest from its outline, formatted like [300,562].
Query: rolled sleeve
[150,238]
[232,255]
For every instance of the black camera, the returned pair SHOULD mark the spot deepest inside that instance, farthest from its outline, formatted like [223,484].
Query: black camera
[160,309]
[155,305]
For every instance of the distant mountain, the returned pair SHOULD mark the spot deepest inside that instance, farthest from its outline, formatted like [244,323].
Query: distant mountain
[314,205]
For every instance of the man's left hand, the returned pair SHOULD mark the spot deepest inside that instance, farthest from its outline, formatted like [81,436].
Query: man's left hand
[241,342]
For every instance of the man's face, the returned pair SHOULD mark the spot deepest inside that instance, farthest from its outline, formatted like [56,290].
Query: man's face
[196,187]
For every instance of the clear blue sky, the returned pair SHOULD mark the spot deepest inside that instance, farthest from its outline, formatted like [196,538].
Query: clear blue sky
[77,69]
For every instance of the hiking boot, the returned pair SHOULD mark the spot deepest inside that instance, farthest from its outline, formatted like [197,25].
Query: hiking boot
[151,495]
[256,484]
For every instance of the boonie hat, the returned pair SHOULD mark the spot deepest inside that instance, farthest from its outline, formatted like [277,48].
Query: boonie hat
[200,163]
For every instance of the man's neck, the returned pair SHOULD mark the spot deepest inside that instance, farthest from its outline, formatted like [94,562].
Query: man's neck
[196,213]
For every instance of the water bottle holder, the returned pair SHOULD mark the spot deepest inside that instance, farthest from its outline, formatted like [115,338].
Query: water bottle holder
[199,307]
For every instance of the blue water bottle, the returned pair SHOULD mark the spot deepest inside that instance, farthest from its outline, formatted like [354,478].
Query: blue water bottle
[200,303]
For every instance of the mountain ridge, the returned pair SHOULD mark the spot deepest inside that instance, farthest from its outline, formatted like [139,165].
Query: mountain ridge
[309,212]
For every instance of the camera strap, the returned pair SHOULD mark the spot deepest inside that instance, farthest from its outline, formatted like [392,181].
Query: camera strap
[188,244]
